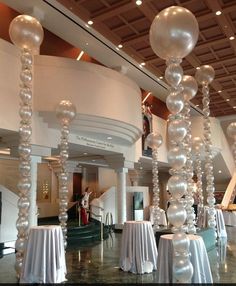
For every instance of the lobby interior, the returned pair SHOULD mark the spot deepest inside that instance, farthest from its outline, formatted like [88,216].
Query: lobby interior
[106,140]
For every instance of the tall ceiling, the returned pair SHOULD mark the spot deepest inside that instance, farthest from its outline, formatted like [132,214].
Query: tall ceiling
[124,22]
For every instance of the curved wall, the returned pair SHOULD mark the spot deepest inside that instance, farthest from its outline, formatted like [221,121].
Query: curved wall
[101,95]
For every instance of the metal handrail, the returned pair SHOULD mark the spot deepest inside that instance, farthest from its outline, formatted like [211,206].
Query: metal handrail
[109,220]
[101,232]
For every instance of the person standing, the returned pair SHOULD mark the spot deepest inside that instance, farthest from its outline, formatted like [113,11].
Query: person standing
[84,206]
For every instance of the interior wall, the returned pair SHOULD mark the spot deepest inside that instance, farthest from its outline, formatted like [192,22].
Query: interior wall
[9,174]
[106,179]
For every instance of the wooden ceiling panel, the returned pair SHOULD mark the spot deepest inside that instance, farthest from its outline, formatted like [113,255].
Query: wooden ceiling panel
[114,23]
[93,6]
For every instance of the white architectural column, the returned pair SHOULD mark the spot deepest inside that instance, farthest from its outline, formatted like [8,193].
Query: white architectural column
[33,210]
[121,195]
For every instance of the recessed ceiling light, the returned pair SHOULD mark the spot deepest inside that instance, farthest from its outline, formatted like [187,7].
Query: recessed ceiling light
[90,22]
[109,138]
[197,68]
[120,46]
[231,38]
[219,91]
[138,2]
[161,77]
[234,106]
[218,13]
[93,160]
[219,171]
[227,99]
[85,153]
[197,105]
[80,55]
[142,64]
[86,44]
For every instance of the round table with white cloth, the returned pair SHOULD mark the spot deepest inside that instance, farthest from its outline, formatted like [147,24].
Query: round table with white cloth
[202,221]
[138,247]
[44,260]
[162,221]
[230,218]
[198,258]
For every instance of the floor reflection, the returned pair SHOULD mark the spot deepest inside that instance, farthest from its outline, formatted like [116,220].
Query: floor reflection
[99,263]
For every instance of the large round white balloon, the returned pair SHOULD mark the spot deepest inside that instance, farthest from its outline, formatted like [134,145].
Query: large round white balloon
[175,102]
[197,144]
[205,74]
[177,186]
[173,33]
[231,130]
[177,157]
[65,111]
[177,130]
[182,270]
[26,32]
[176,214]
[181,242]
[190,87]
[154,140]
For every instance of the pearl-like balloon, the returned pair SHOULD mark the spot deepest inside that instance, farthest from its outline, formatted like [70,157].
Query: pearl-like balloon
[26,32]
[177,186]
[175,102]
[176,214]
[197,144]
[190,87]
[177,130]
[231,130]
[154,140]
[183,270]
[177,157]
[65,112]
[181,242]
[174,74]
[205,74]
[173,33]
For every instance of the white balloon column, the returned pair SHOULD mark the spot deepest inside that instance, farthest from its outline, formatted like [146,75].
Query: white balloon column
[231,131]
[27,34]
[154,141]
[65,112]
[198,147]
[173,35]
[204,76]
[190,87]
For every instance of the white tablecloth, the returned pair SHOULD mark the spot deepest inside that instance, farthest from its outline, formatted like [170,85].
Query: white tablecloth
[44,260]
[163,220]
[198,258]
[138,247]
[230,218]
[202,221]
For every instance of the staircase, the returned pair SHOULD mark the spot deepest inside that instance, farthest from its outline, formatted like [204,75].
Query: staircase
[80,234]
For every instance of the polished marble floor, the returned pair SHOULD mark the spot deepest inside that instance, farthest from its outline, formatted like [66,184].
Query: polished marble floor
[99,264]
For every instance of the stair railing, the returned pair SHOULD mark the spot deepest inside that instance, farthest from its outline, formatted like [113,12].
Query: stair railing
[109,221]
[101,224]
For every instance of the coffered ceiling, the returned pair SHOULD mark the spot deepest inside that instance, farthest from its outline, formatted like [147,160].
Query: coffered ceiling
[124,23]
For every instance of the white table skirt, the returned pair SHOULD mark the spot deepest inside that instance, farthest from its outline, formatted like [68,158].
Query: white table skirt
[44,260]
[202,221]
[163,220]
[230,218]
[198,258]
[138,247]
